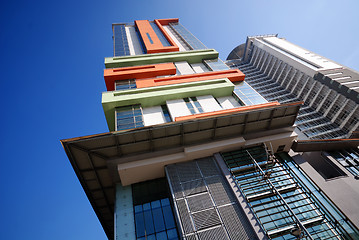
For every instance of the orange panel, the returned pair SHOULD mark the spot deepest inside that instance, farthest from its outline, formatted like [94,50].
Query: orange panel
[167,21]
[146,71]
[234,75]
[227,111]
[160,22]
[150,39]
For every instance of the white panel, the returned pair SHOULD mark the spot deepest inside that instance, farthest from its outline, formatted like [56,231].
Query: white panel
[199,67]
[184,68]
[208,103]
[153,116]
[177,108]
[302,53]
[228,102]
[133,41]
[178,43]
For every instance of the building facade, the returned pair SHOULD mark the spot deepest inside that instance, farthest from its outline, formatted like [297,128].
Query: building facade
[196,149]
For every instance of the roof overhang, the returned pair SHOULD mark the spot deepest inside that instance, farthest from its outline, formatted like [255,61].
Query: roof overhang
[90,155]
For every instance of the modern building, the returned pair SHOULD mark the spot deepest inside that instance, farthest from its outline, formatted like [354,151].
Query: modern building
[196,149]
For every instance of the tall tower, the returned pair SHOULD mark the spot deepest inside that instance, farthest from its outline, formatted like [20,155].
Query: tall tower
[193,151]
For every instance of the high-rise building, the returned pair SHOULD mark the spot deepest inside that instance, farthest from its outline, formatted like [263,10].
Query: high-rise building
[202,149]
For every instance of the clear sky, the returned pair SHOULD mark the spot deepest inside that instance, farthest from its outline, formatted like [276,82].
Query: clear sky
[51,62]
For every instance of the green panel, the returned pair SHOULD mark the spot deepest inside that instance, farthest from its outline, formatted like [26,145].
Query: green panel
[155,96]
[194,56]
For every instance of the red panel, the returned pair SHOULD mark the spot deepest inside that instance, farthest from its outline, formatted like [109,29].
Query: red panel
[150,39]
[234,75]
[146,71]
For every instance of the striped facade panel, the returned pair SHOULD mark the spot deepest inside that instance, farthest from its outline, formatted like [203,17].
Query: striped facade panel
[205,203]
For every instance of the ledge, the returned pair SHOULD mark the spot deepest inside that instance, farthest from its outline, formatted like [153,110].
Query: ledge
[193,56]
[155,96]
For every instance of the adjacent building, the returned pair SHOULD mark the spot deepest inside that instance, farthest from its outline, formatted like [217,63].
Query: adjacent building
[199,148]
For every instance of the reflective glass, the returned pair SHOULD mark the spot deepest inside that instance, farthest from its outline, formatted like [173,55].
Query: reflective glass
[120,40]
[128,117]
[278,210]
[349,159]
[166,113]
[191,40]
[247,94]
[216,64]
[160,35]
[125,84]
[140,224]
[153,213]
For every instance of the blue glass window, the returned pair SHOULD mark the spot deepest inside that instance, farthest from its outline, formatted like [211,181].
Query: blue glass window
[149,38]
[191,40]
[193,105]
[278,193]
[216,64]
[128,117]
[166,113]
[121,47]
[125,84]
[197,104]
[247,94]
[189,106]
[143,48]
[154,218]
[160,35]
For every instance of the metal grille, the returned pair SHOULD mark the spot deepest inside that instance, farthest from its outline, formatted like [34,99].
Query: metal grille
[233,218]
[206,219]
[201,197]
[219,234]
[185,217]
[194,187]
[219,190]
[199,202]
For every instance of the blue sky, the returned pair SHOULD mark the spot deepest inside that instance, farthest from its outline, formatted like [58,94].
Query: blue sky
[51,55]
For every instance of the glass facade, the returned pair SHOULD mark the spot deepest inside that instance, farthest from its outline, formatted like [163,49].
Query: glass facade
[247,94]
[120,41]
[281,201]
[128,117]
[125,84]
[216,64]
[142,44]
[191,40]
[160,35]
[349,159]
[154,218]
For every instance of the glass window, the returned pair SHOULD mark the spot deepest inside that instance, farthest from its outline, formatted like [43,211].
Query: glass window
[154,218]
[191,40]
[216,64]
[120,40]
[193,105]
[160,35]
[349,159]
[247,94]
[278,196]
[128,117]
[125,84]
[166,113]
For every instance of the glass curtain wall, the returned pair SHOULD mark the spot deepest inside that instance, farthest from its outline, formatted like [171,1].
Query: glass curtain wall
[282,203]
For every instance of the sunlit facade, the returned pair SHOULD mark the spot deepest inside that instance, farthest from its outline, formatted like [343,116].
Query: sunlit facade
[198,149]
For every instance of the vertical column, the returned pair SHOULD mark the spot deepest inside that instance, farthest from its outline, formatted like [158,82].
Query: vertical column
[124,216]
